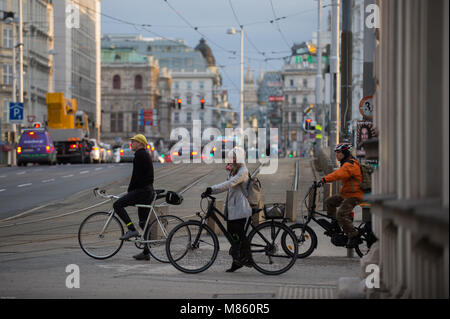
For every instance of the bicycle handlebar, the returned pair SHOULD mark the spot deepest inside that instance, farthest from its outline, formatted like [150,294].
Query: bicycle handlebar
[102,193]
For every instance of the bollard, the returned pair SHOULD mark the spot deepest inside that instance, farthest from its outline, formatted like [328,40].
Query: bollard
[291,205]
[220,205]
[156,230]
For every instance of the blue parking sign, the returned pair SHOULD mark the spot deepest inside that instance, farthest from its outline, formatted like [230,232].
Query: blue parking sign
[16,113]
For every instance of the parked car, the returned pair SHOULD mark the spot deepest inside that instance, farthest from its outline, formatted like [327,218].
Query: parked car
[116,155]
[107,153]
[36,146]
[95,152]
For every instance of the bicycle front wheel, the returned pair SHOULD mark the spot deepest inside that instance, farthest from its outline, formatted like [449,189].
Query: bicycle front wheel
[99,235]
[192,247]
[156,236]
[266,244]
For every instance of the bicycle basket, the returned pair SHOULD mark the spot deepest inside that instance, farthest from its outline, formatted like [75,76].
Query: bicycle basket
[173,198]
[274,211]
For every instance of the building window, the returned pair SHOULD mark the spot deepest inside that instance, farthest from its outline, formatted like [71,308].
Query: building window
[7,38]
[134,122]
[176,117]
[294,117]
[189,85]
[305,100]
[188,117]
[188,99]
[291,82]
[202,85]
[113,122]
[138,82]
[305,83]
[294,100]
[116,82]
[7,74]
[176,85]
[116,122]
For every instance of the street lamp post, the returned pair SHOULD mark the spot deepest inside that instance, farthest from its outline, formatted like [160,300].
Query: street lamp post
[241,31]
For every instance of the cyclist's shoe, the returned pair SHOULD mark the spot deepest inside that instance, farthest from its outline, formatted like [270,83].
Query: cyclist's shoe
[235,266]
[353,242]
[142,256]
[129,234]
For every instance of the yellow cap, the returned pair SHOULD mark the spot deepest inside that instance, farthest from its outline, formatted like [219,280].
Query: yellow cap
[140,138]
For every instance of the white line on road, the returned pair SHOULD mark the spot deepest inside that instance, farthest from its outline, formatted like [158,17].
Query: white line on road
[2,190]
[98,168]
[20,173]
[48,180]
[2,176]
[23,185]
[84,172]
[71,175]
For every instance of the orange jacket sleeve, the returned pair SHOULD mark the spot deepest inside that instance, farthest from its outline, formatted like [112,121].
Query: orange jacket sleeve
[340,174]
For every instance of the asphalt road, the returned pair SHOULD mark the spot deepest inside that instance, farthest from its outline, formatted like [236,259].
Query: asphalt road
[25,188]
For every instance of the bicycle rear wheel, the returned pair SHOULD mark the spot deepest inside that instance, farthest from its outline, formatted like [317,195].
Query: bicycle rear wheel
[192,247]
[367,238]
[158,236]
[99,235]
[266,245]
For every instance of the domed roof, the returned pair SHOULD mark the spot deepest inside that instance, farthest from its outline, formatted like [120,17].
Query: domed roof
[206,51]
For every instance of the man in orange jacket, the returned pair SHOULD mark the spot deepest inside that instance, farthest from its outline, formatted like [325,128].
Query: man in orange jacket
[350,193]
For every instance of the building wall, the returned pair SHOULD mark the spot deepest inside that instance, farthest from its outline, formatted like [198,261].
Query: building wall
[410,210]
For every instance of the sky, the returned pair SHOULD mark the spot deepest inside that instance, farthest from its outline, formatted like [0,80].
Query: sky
[265,42]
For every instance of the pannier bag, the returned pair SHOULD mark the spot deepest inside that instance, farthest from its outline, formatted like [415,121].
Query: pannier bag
[173,198]
[274,211]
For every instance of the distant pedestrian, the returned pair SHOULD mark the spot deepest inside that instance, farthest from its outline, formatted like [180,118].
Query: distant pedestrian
[140,191]
[237,208]
[350,193]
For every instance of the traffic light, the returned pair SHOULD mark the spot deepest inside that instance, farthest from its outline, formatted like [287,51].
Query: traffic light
[37,125]
[179,104]
[307,124]
[202,103]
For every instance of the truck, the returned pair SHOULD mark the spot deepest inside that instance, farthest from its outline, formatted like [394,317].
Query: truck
[68,128]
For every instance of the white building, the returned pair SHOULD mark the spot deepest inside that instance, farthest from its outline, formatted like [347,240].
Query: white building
[77,64]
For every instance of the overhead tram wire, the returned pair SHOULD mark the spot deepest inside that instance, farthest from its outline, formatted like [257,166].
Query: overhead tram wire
[277,25]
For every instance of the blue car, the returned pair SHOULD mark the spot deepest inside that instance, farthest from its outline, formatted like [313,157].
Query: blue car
[35,146]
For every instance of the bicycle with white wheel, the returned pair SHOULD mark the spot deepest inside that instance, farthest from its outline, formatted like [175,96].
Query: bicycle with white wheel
[99,233]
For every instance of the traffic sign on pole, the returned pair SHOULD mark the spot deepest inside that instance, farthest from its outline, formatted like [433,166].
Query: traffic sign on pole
[16,113]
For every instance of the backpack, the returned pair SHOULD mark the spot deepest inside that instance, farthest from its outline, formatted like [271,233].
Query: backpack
[366,172]
[253,192]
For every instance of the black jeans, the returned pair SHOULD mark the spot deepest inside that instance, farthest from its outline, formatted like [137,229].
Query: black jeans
[138,196]
[240,247]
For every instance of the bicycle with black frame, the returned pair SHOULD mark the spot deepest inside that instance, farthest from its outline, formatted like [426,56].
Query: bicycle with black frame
[307,238]
[192,246]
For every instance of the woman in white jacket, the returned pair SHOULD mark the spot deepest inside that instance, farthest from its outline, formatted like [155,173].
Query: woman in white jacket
[237,208]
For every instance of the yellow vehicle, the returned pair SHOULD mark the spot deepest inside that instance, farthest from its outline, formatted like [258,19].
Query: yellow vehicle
[68,128]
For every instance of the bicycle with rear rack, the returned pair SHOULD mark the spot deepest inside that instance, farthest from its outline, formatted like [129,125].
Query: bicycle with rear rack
[99,233]
[192,246]
[307,238]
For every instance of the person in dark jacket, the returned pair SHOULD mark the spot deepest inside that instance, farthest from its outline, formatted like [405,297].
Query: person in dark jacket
[140,191]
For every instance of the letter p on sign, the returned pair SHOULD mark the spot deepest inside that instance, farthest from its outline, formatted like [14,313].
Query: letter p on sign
[73,280]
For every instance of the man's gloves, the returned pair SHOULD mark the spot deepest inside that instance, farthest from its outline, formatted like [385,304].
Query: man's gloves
[320,183]
[207,192]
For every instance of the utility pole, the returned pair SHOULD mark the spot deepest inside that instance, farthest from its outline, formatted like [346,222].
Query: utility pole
[319,109]
[335,75]
[346,54]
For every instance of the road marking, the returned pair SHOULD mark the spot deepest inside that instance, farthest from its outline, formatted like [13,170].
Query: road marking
[98,168]
[2,190]
[48,180]
[84,172]
[71,175]
[2,176]
[23,185]
[20,173]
